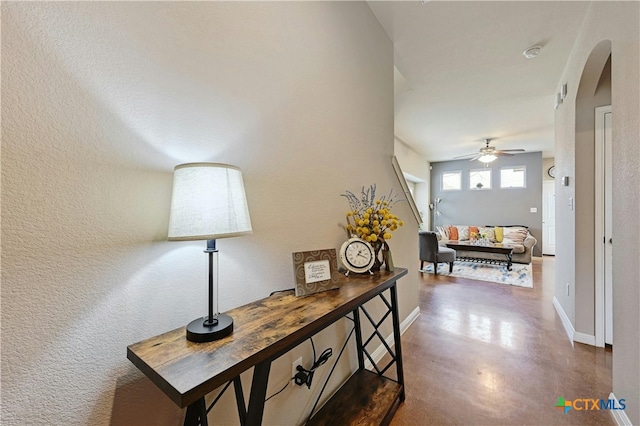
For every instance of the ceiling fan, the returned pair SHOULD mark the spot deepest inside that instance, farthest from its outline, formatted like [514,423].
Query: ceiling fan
[488,153]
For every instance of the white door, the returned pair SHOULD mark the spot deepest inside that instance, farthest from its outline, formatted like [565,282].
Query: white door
[549,217]
[603,228]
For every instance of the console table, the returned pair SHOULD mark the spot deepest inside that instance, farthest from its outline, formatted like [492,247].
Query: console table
[268,328]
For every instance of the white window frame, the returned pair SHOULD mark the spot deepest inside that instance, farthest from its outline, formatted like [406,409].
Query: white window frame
[458,172]
[524,178]
[475,188]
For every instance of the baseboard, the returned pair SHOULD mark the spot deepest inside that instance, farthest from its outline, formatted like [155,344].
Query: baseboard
[381,350]
[568,327]
[410,319]
[587,339]
[574,336]
[619,416]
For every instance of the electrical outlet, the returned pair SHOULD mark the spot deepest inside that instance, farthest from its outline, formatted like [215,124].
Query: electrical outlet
[294,370]
[568,286]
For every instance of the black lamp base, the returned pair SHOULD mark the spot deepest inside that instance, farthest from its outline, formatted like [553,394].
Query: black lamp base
[198,332]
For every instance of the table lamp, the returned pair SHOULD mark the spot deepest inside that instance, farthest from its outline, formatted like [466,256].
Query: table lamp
[208,202]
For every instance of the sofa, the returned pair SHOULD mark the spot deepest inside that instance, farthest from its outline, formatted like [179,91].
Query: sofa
[515,235]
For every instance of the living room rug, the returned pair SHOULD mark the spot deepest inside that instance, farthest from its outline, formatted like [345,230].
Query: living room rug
[520,275]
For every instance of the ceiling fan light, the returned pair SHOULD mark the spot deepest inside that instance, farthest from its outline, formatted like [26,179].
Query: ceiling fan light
[487,158]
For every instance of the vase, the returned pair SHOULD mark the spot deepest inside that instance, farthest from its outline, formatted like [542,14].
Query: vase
[377,262]
[382,257]
[387,258]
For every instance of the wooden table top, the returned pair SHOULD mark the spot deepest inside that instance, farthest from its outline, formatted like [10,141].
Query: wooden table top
[491,248]
[263,330]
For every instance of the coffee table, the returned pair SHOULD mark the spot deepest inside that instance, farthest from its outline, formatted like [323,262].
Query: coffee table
[497,248]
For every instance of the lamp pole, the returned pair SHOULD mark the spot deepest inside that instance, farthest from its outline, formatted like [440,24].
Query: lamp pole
[212,319]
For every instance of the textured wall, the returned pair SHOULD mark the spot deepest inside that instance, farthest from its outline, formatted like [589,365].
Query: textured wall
[496,206]
[100,100]
[617,22]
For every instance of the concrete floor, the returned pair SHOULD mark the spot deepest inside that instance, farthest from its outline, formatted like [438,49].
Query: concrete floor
[487,354]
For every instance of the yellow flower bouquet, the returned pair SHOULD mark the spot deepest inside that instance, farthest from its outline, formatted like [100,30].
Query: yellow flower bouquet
[370,218]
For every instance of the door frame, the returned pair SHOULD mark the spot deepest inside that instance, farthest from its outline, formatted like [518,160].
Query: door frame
[600,239]
[545,208]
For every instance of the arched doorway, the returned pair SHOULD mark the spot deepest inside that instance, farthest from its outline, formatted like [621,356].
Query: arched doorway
[594,91]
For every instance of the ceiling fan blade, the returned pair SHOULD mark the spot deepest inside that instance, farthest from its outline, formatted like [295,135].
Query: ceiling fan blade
[502,154]
[475,157]
[512,150]
[465,156]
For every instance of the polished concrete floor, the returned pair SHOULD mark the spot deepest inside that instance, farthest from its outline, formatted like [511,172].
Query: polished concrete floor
[486,354]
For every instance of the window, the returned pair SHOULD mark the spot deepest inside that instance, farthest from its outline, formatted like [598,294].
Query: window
[480,179]
[513,177]
[451,181]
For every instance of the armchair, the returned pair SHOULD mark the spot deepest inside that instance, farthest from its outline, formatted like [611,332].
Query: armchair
[431,251]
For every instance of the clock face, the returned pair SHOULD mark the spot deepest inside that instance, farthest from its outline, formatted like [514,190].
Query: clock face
[357,255]
[552,171]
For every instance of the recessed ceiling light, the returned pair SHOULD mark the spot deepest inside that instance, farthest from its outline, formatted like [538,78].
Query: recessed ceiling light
[532,52]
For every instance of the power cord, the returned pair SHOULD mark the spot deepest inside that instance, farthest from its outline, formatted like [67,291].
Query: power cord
[304,376]
[280,391]
[281,291]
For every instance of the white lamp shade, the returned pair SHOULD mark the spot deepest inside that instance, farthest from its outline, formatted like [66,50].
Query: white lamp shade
[487,158]
[208,202]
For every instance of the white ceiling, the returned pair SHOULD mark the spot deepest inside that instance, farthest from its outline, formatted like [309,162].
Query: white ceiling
[461,75]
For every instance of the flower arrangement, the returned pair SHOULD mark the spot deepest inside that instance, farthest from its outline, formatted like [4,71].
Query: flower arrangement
[370,218]
[480,238]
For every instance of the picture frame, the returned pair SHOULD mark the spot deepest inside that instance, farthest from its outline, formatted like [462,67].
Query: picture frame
[315,271]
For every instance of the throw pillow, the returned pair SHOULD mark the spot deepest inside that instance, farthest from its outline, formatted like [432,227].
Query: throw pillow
[463,233]
[474,233]
[515,235]
[443,231]
[453,233]
[488,232]
[499,234]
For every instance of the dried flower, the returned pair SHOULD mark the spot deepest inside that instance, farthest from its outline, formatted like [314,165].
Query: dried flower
[371,217]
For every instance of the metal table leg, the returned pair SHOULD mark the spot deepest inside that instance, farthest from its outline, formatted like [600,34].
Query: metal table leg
[258,393]
[196,414]
[396,337]
[509,262]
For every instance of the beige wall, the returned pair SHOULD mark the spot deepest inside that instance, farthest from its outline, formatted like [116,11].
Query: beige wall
[617,22]
[100,100]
